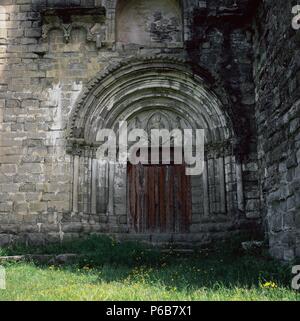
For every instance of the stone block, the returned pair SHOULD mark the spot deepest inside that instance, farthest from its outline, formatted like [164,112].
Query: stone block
[253,215]
[6,207]
[276,222]
[123,219]
[289,254]
[35,207]
[253,205]
[5,239]
[277,252]
[33,32]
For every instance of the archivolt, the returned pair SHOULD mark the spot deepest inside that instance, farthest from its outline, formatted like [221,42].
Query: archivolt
[140,84]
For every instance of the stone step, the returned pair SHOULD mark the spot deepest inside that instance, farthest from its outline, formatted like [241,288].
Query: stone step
[41,258]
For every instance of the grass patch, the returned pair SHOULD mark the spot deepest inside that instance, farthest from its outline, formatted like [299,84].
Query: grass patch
[130,271]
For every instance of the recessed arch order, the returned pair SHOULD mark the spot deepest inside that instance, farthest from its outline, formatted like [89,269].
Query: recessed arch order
[157,83]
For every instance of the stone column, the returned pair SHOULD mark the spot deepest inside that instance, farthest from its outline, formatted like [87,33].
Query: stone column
[205,191]
[86,180]
[102,186]
[75,183]
[240,186]
[94,186]
[222,185]
[111,187]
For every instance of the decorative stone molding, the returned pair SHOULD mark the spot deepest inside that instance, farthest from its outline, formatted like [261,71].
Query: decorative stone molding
[178,78]
[67,19]
[94,32]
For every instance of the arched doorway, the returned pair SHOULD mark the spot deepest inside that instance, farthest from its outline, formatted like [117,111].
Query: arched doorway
[158,187]
[135,91]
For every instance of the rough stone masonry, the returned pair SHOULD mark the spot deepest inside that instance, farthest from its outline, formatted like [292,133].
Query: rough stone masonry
[69,68]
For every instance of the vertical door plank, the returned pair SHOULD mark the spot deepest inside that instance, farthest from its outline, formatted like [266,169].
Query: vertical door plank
[159,198]
[183,199]
[138,197]
[167,199]
[178,200]
[145,199]
[151,198]
[171,199]
[129,196]
[162,198]
[157,208]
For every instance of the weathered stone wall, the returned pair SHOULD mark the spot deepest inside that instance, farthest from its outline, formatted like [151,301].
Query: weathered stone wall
[40,80]
[221,41]
[276,72]
[42,73]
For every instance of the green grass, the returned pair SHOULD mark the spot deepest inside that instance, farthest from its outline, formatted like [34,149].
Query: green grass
[129,271]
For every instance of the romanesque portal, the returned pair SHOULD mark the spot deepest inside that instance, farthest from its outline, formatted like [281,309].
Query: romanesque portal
[71,68]
[163,93]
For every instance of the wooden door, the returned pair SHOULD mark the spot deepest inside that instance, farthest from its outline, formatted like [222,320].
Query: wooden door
[159,198]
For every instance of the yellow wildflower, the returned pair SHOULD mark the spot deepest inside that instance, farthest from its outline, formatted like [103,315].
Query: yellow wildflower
[269,285]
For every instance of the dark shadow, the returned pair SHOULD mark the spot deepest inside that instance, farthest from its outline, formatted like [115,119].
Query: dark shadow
[192,270]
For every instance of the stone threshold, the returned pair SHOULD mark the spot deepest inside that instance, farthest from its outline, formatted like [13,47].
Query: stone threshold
[68,258]
[42,258]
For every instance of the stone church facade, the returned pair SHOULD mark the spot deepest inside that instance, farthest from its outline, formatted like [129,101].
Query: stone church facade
[70,68]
